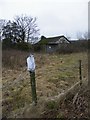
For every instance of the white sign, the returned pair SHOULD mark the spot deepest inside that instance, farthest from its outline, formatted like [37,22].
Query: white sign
[31,63]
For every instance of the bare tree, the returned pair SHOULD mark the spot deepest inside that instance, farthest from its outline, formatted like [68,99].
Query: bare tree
[85,35]
[28,27]
[79,35]
[82,35]
[2,23]
[68,37]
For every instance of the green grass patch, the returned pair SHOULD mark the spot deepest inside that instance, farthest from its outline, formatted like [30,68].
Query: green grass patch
[51,105]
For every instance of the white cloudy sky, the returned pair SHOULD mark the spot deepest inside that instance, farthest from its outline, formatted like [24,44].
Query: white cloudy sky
[54,17]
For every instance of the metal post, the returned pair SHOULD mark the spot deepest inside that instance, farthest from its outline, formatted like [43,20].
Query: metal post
[80,72]
[33,87]
[31,69]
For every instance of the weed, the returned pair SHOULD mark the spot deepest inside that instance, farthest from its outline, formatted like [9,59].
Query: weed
[51,105]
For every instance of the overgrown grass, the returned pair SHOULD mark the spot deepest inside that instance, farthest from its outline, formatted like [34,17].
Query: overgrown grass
[54,73]
[14,59]
[51,105]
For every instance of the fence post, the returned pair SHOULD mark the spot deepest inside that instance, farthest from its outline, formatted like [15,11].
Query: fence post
[31,69]
[80,72]
[33,87]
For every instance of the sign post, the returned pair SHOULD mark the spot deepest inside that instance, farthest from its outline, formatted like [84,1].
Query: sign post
[31,69]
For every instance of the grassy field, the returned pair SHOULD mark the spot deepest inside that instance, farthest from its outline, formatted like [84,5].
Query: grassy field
[55,74]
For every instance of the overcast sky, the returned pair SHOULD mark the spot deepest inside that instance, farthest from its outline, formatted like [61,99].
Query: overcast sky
[54,17]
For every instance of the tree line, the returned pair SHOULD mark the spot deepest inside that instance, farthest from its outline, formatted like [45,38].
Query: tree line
[22,30]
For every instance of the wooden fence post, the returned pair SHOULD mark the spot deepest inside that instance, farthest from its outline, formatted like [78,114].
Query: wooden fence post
[80,72]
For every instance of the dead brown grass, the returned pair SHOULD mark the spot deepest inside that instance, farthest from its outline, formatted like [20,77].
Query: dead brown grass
[55,73]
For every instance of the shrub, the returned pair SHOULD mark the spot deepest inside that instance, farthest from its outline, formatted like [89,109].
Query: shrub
[23,46]
[51,105]
[6,43]
[76,46]
[37,48]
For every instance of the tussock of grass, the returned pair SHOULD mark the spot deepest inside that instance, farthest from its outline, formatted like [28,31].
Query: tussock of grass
[51,105]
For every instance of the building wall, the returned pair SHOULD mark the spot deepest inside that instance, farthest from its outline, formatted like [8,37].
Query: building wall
[51,48]
[54,46]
